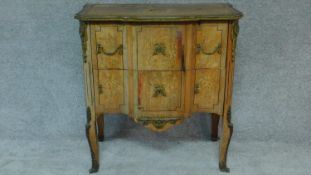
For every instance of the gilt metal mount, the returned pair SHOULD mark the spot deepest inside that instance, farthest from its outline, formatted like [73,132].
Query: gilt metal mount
[159,90]
[100,50]
[159,48]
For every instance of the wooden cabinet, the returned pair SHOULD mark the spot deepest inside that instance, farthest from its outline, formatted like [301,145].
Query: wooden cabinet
[158,64]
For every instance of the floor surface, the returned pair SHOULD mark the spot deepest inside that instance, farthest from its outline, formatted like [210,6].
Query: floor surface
[134,156]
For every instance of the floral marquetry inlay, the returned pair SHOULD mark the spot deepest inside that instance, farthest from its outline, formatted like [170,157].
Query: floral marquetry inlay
[111,90]
[207,88]
[160,47]
[160,90]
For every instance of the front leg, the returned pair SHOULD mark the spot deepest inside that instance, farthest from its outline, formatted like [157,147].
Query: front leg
[91,135]
[225,140]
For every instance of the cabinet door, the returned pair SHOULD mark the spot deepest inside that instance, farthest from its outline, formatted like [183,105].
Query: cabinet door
[160,91]
[110,89]
[107,46]
[211,45]
[208,90]
[160,47]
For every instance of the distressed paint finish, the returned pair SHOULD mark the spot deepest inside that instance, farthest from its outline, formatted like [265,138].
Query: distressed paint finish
[159,66]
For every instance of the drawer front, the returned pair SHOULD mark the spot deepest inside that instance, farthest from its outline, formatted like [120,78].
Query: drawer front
[160,47]
[208,90]
[160,90]
[111,89]
[211,45]
[108,46]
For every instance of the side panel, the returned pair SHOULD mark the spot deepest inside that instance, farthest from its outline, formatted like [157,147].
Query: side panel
[87,66]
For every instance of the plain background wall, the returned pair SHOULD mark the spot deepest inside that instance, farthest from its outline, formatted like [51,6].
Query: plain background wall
[41,85]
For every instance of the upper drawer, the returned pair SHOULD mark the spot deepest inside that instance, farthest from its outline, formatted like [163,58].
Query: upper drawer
[160,47]
[107,46]
[211,45]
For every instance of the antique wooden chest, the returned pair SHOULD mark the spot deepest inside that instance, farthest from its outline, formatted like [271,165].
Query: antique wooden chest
[158,63]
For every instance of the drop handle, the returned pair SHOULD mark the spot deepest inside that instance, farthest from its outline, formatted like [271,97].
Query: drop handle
[196,88]
[100,50]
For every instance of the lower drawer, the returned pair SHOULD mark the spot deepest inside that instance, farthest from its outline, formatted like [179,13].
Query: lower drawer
[208,90]
[160,91]
[110,90]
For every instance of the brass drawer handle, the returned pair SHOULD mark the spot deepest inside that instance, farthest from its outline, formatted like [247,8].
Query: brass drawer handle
[159,48]
[100,50]
[216,49]
[159,90]
[196,88]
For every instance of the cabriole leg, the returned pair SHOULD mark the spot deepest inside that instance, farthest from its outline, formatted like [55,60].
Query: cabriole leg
[91,135]
[225,140]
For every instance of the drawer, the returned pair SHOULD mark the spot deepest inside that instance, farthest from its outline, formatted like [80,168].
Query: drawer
[160,91]
[208,90]
[107,46]
[160,47]
[211,45]
[110,89]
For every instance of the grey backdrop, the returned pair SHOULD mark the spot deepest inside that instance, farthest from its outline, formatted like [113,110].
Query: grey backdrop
[41,89]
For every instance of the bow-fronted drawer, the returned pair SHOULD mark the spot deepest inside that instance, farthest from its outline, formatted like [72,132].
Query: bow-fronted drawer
[160,47]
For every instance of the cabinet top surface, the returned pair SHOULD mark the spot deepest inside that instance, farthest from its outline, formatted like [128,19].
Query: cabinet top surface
[158,12]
